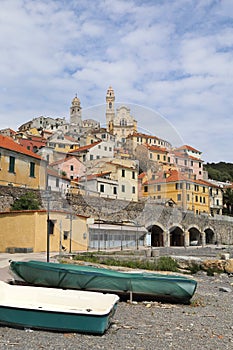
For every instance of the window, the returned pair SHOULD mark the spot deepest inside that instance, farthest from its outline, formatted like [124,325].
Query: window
[133,189]
[110,149]
[145,188]
[168,159]
[114,190]
[65,235]
[159,188]
[57,182]
[151,155]
[196,188]
[12,164]
[187,186]
[158,156]
[123,188]
[91,157]
[178,197]
[133,174]
[199,164]
[51,227]
[203,189]
[99,146]
[188,197]
[105,148]
[191,162]
[123,172]
[32,169]
[123,122]
[178,186]
[72,168]
[101,188]
[196,198]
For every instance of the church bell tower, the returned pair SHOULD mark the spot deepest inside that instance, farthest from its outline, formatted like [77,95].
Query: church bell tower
[76,112]
[110,108]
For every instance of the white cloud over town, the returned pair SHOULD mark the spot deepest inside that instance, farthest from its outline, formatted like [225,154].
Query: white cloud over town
[173,57]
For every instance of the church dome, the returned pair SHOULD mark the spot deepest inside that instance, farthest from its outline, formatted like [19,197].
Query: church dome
[76,101]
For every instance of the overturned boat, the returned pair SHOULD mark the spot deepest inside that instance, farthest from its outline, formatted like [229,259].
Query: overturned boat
[134,285]
[56,309]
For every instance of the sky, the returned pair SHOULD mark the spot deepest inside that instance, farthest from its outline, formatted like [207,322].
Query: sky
[170,61]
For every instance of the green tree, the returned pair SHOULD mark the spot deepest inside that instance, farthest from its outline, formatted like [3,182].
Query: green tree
[27,201]
[228,201]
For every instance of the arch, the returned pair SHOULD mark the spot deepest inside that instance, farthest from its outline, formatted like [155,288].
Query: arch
[210,237]
[176,236]
[156,236]
[195,237]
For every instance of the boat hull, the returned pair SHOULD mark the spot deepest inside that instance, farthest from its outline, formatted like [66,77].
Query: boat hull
[162,287]
[39,312]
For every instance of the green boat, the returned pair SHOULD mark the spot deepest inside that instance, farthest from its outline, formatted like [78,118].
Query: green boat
[56,309]
[133,285]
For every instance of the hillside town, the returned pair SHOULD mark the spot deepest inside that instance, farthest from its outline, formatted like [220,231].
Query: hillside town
[116,162]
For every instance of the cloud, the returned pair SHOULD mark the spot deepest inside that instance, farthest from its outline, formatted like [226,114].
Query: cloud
[174,57]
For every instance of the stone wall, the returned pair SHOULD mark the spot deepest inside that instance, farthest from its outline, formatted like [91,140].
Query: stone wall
[144,213]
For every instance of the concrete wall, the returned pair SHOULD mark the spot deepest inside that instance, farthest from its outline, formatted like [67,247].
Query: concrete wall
[28,229]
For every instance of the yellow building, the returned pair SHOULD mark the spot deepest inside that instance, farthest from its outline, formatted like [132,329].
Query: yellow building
[19,166]
[187,193]
[28,230]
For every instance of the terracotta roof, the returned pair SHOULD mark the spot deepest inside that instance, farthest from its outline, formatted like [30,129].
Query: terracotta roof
[138,134]
[186,156]
[63,160]
[8,143]
[69,138]
[155,148]
[53,172]
[13,212]
[174,176]
[85,148]
[142,175]
[189,148]
[91,176]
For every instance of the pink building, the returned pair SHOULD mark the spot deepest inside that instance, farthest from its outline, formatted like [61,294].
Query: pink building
[71,166]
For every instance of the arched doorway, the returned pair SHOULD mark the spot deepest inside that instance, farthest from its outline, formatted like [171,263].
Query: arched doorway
[156,236]
[176,237]
[194,236]
[210,236]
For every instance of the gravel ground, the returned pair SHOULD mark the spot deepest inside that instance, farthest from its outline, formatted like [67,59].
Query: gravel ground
[207,323]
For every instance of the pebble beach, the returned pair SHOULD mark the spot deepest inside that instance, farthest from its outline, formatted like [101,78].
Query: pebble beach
[207,323]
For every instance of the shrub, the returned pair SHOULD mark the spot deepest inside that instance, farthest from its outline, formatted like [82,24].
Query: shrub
[27,201]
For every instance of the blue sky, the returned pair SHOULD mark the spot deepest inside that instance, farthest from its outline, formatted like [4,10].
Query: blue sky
[174,59]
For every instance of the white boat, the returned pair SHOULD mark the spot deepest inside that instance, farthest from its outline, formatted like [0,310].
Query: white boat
[56,309]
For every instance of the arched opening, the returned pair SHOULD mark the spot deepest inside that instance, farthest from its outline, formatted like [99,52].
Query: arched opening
[156,236]
[210,237]
[176,237]
[194,236]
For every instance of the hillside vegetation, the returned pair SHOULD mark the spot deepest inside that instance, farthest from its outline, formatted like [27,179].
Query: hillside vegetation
[220,171]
